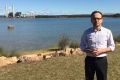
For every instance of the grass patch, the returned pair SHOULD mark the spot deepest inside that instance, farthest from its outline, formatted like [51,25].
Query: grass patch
[60,68]
[114,64]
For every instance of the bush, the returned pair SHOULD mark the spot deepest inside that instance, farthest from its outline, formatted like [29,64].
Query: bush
[74,44]
[117,38]
[1,50]
[63,42]
[2,53]
[11,54]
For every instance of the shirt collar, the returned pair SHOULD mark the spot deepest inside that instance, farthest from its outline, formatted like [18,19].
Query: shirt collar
[97,29]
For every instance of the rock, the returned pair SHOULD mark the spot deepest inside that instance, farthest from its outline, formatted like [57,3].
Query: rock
[5,61]
[71,51]
[29,58]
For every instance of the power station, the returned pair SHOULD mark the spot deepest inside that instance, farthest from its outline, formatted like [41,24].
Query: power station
[9,11]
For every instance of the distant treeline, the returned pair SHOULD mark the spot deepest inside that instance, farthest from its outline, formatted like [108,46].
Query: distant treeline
[73,16]
[113,15]
[61,16]
[117,15]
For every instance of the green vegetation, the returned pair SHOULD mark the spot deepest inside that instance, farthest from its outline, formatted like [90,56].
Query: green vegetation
[63,42]
[2,53]
[62,16]
[116,15]
[1,50]
[11,54]
[58,68]
[117,38]
[74,44]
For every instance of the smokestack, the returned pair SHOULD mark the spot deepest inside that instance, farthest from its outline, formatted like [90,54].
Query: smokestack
[13,10]
[6,10]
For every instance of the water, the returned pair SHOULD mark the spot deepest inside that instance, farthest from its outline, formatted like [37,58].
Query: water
[30,33]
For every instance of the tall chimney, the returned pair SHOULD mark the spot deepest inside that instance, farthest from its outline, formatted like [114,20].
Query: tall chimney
[6,10]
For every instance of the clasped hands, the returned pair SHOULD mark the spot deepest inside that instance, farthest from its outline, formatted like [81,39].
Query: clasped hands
[95,51]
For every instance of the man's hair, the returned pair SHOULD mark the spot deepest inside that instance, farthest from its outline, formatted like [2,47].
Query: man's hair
[96,12]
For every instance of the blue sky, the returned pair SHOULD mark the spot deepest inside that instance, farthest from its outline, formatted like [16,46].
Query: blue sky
[62,6]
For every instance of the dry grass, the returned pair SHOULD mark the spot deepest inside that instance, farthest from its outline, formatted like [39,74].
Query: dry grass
[58,68]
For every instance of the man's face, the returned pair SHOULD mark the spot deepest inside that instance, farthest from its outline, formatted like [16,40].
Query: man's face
[97,20]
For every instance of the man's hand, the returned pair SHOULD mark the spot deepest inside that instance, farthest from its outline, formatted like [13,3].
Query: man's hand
[98,51]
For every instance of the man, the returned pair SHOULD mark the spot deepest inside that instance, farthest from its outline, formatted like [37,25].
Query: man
[96,42]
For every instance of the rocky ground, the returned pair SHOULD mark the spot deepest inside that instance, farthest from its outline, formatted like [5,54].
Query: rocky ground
[37,57]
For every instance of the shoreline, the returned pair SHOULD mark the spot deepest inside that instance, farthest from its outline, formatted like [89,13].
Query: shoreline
[115,15]
[38,55]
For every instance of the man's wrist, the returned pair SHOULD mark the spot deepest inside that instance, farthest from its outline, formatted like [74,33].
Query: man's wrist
[106,50]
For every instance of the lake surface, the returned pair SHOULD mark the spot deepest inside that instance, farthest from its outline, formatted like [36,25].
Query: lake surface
[30,33]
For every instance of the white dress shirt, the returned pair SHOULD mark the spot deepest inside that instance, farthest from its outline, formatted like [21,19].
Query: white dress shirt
[93,38]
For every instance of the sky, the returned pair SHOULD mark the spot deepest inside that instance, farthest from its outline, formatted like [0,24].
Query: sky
[58,7]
